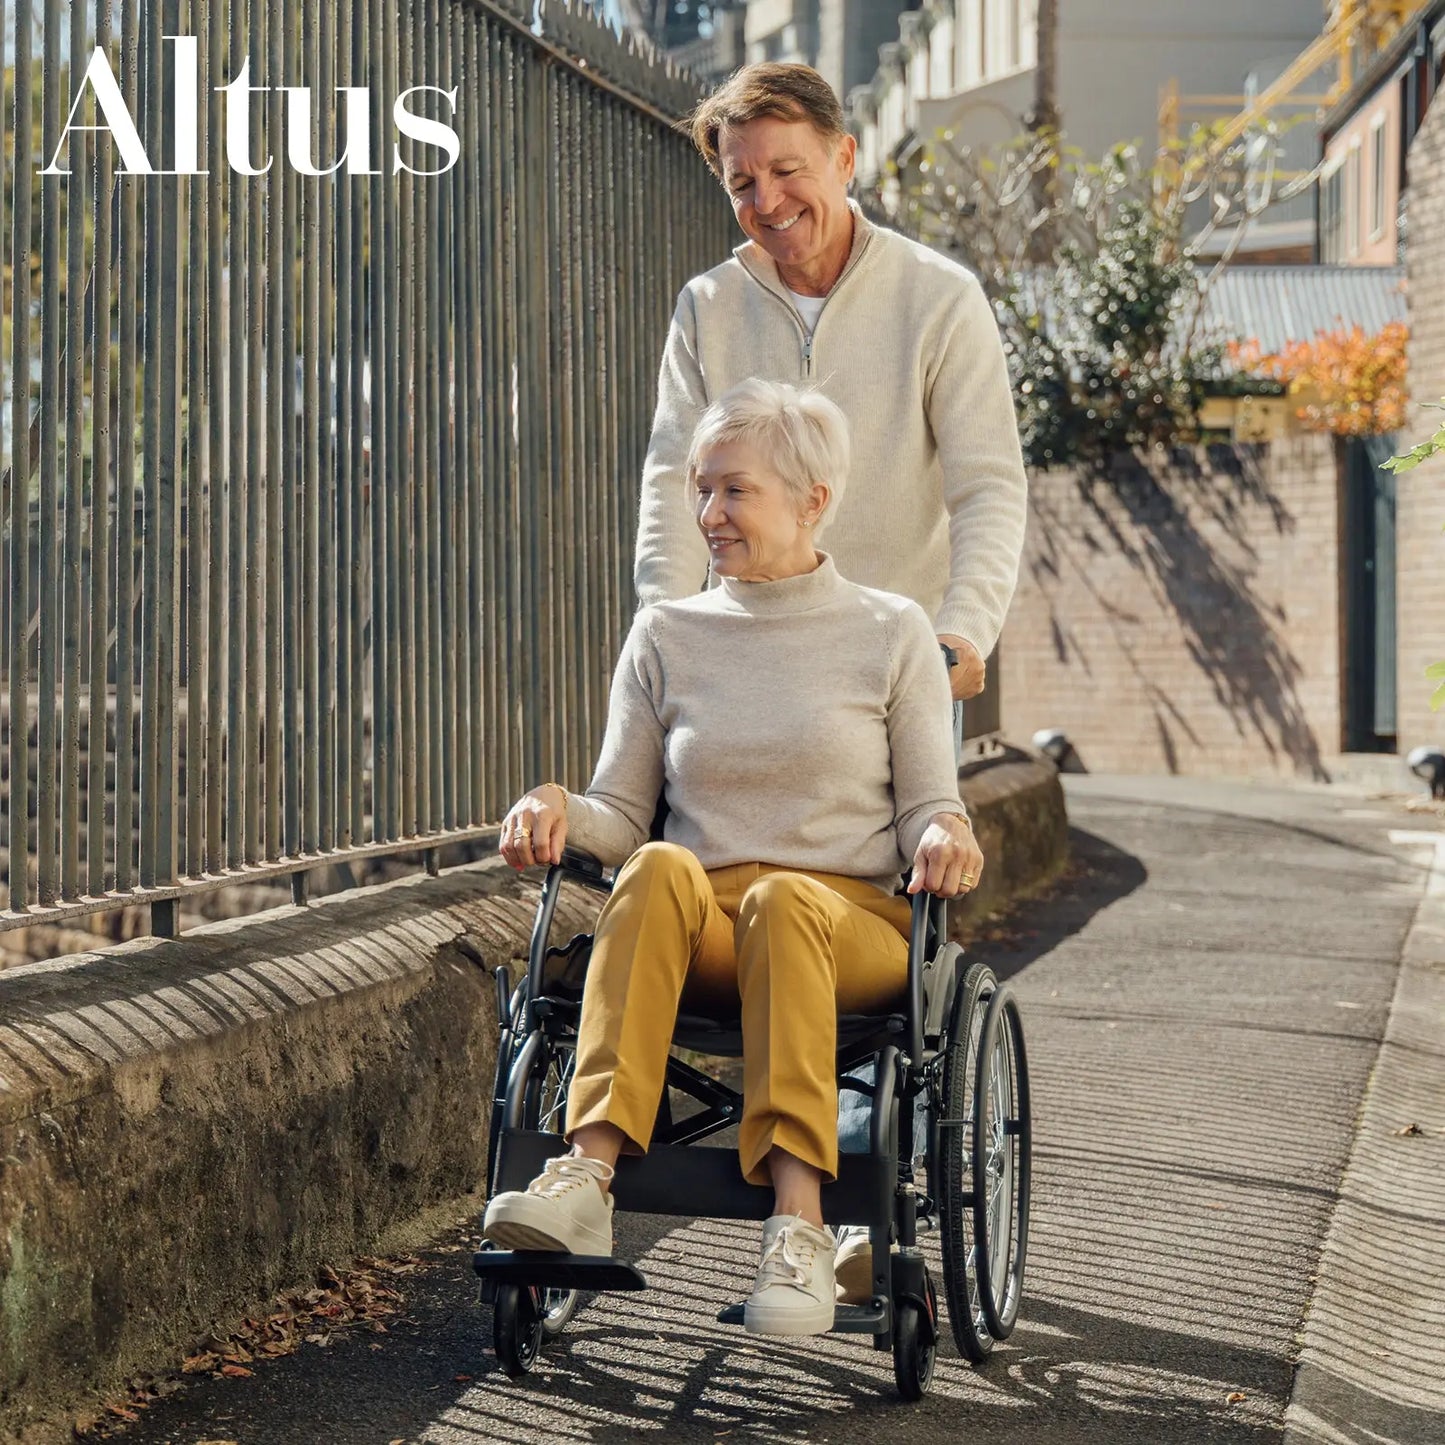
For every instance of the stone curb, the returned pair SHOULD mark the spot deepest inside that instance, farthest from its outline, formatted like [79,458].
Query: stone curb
[188,1126]
[1372,1355]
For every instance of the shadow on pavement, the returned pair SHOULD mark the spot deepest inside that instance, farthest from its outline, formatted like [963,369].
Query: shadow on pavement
[1098,876]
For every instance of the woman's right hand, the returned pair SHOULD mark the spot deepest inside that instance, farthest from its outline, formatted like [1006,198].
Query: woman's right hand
[535,831]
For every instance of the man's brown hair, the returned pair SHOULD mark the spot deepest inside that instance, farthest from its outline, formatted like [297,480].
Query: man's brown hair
[789,92]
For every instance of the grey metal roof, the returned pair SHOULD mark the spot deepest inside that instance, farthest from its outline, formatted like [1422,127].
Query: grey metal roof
[1276,305]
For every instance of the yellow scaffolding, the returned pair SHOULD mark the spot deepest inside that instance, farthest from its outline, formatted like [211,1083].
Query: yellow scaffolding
[1355,32]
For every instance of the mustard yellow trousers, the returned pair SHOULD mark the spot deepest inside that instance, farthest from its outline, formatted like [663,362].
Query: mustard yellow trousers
[787,950]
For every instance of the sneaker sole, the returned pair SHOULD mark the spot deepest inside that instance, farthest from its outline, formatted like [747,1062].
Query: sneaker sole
[854,1274]
[515,1233]
[764,1321]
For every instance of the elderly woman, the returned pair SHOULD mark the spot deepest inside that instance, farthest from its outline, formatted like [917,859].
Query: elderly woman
[798,725]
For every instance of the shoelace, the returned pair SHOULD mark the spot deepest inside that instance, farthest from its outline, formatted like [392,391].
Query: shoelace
[789,1256]
[567,1172]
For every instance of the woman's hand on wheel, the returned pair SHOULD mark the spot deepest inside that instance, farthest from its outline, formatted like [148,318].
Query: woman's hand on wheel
[535,831]
[948,861]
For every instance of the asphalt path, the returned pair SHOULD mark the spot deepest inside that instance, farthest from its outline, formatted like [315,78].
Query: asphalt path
[1204,998]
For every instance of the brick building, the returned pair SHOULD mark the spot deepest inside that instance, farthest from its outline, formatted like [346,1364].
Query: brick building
[1185,618]
[1420,496]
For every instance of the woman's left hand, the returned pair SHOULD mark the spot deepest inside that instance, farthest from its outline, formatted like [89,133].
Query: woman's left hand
[948,861]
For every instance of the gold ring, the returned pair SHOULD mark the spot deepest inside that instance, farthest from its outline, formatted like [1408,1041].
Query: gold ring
[967,879]
[524,832]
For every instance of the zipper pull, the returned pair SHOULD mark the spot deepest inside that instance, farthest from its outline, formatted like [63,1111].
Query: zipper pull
[808,356]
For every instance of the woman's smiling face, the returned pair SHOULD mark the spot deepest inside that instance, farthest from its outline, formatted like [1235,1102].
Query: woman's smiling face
[751,522]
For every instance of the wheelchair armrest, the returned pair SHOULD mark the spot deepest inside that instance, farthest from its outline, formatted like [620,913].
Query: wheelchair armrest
[583,867]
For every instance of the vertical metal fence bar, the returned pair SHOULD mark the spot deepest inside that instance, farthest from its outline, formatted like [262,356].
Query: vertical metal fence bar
[459,728]
[564,581]
[363,478]
[534,163]
[347,461]
[386,710]
[71,617]
[168,354]
[150,454]
[98,744]
[197,567]
[280,392]
[326,292]
[289,547]
[441,704]
[257,467]
[311,469]
[47,609]
[413,461]
[217,311]
[378,634]
[511,521]
[556,479]
[478,248]
[495,423]
[603,167]
[18,858]
[400,455]
[125,493]
[469,388]
[240,270]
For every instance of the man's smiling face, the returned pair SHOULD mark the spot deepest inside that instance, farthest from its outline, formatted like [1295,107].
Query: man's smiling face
[789,191]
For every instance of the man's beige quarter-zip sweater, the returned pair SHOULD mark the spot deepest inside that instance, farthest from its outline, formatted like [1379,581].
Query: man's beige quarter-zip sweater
[908,347]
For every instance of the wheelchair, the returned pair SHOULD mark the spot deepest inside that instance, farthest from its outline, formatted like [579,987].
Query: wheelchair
[955,1043]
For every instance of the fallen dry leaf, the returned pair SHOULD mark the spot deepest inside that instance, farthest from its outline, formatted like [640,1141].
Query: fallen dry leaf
[237,1372]
[1407,1131]
[461,1379]
[1234,1397]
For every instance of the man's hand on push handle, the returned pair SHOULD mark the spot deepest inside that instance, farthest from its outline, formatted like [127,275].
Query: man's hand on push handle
[966,677]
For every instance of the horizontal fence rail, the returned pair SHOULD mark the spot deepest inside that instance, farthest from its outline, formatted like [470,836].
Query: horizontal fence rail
[319,492]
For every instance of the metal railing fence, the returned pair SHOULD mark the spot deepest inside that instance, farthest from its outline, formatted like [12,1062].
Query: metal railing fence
[252,623]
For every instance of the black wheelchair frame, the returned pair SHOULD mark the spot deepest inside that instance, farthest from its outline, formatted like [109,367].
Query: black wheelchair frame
[958,1040]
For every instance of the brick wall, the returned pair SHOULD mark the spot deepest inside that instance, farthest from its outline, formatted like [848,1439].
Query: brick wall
[1420,510]
[1185,621]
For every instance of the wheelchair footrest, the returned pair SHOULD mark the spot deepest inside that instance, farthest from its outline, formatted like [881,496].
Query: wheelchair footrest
[847,1319]
[547,1270]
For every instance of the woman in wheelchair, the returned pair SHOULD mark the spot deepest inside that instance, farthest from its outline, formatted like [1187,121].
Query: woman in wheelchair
[798,727]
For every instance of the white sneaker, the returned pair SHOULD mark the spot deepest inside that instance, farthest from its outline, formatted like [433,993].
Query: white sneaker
[562,1209]
[853,1268]
[794,1290]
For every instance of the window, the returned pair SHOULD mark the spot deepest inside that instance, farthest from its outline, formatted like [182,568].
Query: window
[1330,184]
[1377,177]
[1351,201]
[1015,36]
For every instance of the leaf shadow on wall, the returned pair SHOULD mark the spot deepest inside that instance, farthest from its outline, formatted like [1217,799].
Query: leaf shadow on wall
[1192,534]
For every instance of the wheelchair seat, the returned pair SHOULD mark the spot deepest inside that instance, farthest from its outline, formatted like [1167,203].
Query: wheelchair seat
[723,1037]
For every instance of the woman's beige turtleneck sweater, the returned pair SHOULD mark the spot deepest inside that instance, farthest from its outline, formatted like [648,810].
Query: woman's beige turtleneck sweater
[803,723]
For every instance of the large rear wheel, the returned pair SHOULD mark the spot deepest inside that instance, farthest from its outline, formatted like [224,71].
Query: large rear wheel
[1002,1164]
[951,1163]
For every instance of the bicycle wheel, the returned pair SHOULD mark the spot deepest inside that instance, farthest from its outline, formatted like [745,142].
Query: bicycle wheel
[951,1163]
[1002,1164]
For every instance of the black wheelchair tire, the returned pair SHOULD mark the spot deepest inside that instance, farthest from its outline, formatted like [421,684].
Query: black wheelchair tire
[951,1164]
[516,1329]
[915,1346]
[1003,1139]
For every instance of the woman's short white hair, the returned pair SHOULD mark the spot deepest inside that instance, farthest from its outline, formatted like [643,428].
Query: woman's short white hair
[803,435]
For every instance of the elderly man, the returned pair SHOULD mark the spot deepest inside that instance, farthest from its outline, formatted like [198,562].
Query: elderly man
[902,339]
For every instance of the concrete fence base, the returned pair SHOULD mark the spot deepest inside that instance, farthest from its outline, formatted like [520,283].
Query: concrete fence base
[187,1127]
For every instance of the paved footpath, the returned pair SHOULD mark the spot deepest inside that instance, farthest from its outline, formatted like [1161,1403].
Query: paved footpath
[1220,1190]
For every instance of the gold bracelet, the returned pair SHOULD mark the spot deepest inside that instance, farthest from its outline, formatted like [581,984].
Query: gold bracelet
[560,789]
[962,818]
